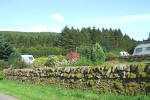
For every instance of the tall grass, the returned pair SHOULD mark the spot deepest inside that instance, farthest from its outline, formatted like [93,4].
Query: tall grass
[36,92]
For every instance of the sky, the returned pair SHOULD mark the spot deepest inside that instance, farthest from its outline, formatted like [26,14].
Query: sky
[131,16]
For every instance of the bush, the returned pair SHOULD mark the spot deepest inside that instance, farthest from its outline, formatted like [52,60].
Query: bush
[73,56]
[97,54]
[83,61]
[85,51]
[15,60]
[110,56]
[2,75]
[3,65]
[41,60]
[19,64]
[14,55]
[56,61]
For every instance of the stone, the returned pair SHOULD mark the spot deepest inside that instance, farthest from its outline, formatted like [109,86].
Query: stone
[108,72]
[114,68]
[84,70]
[67,70]
[120,67]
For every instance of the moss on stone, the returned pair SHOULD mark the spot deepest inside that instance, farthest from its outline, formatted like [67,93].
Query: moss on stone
[90,76]
[91,82]
[107,67]
[65,75]
[133,68]
[140,68]
[72,75]
[116,75]
[143,74]
[72,81]
[131,75]
[119,86]
[111,76]
[79,75]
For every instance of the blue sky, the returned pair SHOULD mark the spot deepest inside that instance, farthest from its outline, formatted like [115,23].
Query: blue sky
[131,16]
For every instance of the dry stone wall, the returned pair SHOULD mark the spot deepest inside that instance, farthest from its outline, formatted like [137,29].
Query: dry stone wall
[129,79]
[135,58]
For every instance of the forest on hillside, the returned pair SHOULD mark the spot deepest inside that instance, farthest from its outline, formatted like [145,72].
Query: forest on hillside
[69,39]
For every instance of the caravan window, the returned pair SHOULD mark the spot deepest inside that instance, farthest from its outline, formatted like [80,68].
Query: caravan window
[31,58]
[148,48]
[138,50]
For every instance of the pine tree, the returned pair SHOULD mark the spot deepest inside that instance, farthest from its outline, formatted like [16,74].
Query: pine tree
[5,50]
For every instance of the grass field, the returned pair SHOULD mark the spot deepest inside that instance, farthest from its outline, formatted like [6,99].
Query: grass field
[36,92]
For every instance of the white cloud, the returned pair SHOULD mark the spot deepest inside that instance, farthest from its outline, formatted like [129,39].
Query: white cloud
[38,28]
[10,29]
[119,19]
[57,17]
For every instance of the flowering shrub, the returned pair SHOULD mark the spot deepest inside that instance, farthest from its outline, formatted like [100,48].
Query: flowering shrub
[56,61]
[72,56]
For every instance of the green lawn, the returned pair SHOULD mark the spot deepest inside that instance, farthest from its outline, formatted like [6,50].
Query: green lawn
[36,92]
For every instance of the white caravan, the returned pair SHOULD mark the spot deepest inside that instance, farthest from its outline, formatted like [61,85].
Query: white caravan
[27,58]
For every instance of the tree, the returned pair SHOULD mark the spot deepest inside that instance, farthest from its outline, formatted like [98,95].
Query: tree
[5,49]
[97,54]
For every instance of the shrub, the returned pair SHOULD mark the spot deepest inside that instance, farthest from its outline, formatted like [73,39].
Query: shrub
[2,75]
[97,54]
[56,61]
[19,64]
[41,60]
[72,56]
[13,56]
[83,61]
[3,65]
[110,56]
[85,51]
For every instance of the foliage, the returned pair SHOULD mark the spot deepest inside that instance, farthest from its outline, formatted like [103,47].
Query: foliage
[97,54]
[2,75]
[5,49]
[83,61]
[85,51]
[111,56]
[41,51]
[73,56]
[3,64]
[19,64]
[41,60]
[57,93]
[56,61]
[42,43]
[15,60]
[13,56]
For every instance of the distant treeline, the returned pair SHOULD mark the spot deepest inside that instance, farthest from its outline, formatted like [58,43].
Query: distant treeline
[67,40]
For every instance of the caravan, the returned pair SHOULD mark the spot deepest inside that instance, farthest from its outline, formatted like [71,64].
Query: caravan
[27,58]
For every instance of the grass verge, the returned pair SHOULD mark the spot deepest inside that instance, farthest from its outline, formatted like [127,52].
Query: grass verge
[36,92]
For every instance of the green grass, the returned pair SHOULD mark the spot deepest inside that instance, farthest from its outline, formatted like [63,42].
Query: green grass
[36,92]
